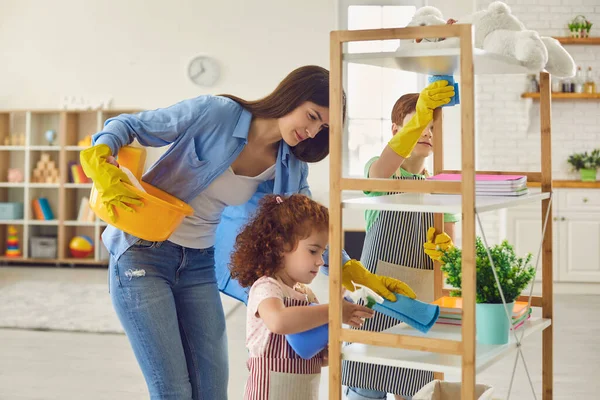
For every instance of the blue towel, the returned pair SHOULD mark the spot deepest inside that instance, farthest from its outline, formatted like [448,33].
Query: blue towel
[456,99]
[415,313]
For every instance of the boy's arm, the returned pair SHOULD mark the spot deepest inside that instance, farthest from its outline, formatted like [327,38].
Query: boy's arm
[386,165]
[404,141]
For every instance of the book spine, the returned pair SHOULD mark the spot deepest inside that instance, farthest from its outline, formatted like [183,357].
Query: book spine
[46,210]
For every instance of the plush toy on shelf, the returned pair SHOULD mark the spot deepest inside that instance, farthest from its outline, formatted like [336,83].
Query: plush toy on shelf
[12,243]
[15,175]
[497,30]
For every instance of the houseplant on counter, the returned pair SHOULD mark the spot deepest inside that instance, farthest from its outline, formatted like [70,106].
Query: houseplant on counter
[514,274]
[586,164]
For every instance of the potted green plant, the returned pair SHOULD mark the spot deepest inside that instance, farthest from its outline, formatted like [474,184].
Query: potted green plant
[586,164]
[587,26]
[575,29]
[514,274]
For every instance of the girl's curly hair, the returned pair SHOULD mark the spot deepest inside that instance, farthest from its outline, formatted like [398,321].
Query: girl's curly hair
[275,229]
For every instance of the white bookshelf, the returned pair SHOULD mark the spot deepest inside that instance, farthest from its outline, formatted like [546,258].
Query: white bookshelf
[65,196]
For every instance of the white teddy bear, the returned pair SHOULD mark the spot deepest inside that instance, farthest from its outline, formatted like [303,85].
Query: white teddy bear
[497,30]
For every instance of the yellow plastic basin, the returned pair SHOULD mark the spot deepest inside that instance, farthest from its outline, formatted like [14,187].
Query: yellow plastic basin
[161,213]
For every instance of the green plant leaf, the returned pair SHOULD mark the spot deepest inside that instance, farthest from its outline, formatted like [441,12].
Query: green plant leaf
[584,160]
[514,273]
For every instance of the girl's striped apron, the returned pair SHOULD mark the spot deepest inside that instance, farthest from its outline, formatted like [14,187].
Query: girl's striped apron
[281,374]
[396,237]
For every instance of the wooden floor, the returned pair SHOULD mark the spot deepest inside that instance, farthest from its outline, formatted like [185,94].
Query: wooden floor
[59,365]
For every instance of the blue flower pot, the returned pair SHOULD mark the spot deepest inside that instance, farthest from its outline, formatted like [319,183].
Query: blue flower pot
[492,325]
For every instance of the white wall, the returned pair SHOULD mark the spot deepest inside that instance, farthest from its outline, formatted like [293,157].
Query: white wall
[452,128]
[137,51]
[574,123]
[509,127]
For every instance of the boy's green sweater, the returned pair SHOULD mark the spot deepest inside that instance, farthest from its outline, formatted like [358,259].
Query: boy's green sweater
[372,215]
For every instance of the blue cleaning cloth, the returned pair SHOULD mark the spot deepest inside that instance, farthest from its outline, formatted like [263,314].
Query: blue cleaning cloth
[415,313]
[456,99]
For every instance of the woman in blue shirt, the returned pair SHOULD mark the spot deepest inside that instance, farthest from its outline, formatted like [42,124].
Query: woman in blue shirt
[225,154]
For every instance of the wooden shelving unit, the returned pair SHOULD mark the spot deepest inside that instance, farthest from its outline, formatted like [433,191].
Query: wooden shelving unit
[64,197]
[580,41]
[570,184]
[444,348]
[564,96]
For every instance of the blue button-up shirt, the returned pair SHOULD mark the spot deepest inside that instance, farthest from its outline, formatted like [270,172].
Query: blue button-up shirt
[205,134]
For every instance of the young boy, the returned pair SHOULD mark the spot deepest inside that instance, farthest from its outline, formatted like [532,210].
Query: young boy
[397,237]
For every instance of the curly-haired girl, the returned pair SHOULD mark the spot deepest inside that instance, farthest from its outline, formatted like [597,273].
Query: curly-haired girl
[277,254]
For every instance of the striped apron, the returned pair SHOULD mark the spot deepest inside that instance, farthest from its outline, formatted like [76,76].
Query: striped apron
[396,237]
[281,374]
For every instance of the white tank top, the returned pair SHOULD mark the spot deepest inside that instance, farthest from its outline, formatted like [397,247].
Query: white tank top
[228,189]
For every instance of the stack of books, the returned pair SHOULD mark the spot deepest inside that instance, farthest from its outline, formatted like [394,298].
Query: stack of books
[41,209]
[491,185]
[76,174]
[451,311]
[85,212]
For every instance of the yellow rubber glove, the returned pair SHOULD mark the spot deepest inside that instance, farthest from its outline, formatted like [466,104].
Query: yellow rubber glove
[353,271]
[108,180]
[436,245]
[433,96]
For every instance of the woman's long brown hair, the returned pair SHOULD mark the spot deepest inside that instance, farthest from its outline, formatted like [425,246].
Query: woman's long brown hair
[307,83]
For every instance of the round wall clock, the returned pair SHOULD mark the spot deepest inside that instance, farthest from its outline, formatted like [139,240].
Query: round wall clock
[204,71]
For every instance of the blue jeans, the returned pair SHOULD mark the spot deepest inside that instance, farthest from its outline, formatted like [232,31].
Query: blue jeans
[167,300]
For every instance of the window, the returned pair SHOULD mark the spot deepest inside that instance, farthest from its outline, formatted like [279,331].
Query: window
[372,91]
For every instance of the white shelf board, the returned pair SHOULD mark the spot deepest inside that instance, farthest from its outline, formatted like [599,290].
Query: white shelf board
[45,185]
[78,185]
[12,148]
[45,148]
[12,221]
[438,203]
[75,148]
[447,363]
[79,223]
[50,222]
[12,184]
[444,61]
